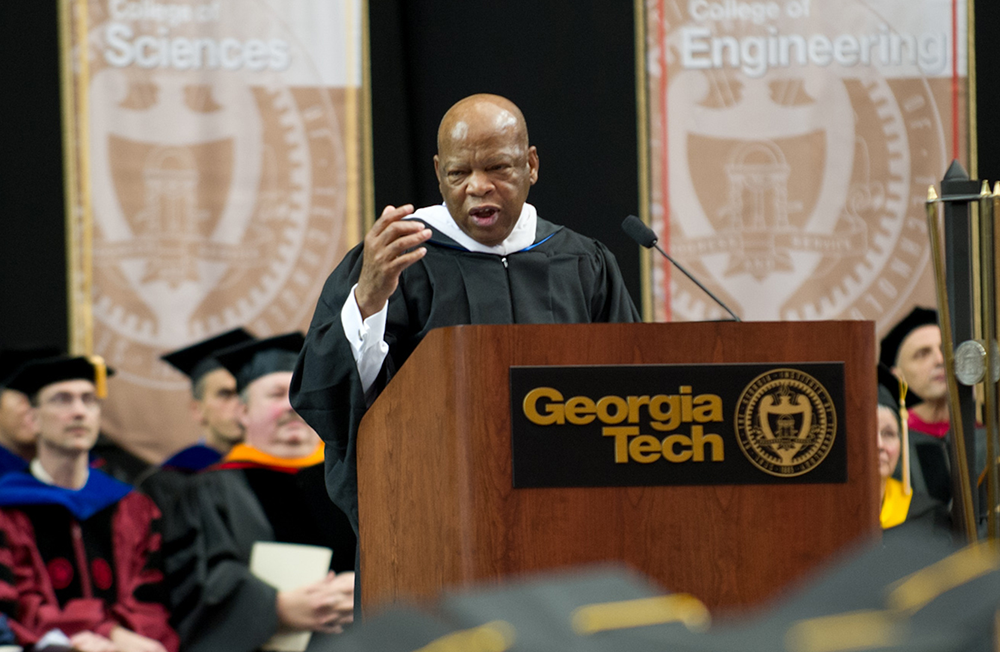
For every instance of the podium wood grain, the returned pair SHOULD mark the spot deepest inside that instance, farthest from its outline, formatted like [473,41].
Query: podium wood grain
[437,506]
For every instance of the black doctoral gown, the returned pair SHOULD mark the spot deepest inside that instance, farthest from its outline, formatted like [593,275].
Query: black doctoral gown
[217,603]
[563,278]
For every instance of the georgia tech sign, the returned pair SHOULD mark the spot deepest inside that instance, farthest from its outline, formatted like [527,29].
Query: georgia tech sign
[677,424]
[665,413]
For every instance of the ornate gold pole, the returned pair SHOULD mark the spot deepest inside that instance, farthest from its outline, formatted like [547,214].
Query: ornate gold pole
[987,278]
[944,316]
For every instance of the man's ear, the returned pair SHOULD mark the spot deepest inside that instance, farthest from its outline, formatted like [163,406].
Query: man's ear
[32,419]
[241,415]
[437,169]
[533,164]
[197,413]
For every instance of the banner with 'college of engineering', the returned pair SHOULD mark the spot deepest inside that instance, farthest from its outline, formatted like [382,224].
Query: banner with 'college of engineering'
[790,147]
[216,177]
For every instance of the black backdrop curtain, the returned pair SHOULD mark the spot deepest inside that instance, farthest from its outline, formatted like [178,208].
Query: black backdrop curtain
[569,65]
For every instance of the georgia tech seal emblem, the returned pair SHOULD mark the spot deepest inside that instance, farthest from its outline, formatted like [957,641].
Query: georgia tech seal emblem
[785,422]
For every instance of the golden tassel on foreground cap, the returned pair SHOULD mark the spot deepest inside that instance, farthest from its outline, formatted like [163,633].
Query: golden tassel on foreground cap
[678,607]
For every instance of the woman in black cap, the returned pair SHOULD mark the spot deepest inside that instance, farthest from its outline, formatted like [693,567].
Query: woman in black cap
[901,505]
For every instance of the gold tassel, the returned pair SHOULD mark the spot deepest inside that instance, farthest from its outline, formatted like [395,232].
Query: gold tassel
[100,376]
[904,417]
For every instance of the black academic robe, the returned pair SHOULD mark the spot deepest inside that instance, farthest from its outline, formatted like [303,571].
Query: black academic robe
[217,603]
[925,518]
[165,483]
[111,458]
[562,278]
[931,468]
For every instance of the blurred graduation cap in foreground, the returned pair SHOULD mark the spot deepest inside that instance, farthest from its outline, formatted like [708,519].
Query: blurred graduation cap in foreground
[906,595]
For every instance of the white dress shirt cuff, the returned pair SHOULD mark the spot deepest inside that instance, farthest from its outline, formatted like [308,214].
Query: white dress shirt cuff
[367,338]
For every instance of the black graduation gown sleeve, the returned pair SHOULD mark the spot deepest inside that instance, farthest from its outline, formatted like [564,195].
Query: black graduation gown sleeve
[926,518]
[218,604]
[563,278]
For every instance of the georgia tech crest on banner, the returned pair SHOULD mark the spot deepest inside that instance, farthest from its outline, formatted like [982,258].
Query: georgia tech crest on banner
[788,147]
[216,171]
[647,425]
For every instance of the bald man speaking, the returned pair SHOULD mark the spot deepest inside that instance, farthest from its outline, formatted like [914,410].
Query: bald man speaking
[482,257]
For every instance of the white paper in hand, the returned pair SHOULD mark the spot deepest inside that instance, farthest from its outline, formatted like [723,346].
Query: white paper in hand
[288,566]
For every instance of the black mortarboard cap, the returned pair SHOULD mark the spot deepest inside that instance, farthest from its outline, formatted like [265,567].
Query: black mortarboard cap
[37,374]
[13,359]
[889,348]
[251,360]
[198,359]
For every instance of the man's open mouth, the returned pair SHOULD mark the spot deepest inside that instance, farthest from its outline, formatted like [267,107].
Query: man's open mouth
[485,215]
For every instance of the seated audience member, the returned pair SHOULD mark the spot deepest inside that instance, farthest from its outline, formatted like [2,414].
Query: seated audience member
[79,550]
[901,505]
[214,401]
[17,432]
[214,404]
[270,488]
[912,350]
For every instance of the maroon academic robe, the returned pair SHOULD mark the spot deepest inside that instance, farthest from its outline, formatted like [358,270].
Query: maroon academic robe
[87,563]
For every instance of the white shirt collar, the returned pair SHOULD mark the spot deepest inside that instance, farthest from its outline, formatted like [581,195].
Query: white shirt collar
[42,475]
[522,236]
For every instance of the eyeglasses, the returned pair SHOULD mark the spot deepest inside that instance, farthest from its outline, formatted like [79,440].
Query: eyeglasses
[64,400]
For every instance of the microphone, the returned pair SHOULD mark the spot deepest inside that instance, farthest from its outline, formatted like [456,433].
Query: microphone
[644,235]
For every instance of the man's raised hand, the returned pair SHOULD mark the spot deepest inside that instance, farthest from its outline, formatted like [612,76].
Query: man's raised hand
[391,246]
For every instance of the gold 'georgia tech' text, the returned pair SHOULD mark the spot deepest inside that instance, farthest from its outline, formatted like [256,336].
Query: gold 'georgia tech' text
[545,406]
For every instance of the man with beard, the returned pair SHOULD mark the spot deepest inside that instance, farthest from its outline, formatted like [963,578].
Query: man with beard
[269,488]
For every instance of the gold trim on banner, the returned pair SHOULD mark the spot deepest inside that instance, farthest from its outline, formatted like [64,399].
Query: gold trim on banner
[69,159]
[642,134]
[351,144]
[86,203]
[74,84]
[368,189]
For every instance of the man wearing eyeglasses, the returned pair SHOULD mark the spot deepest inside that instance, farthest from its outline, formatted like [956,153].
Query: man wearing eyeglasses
[79,550]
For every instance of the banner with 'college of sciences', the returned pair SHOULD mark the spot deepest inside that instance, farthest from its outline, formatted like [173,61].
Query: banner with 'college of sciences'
[791,144]
[215,175]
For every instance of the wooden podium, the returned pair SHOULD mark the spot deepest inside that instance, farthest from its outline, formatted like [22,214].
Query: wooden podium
[438,509]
